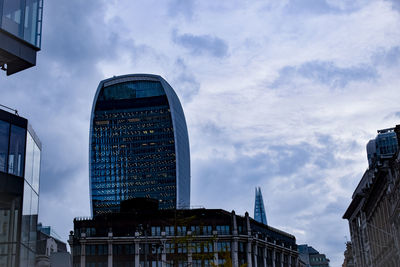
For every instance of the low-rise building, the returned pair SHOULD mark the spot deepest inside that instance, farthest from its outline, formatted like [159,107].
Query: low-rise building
[196,237]
[348,256]
[311,257]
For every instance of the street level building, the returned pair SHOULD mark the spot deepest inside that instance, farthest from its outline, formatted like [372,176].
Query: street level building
[311,257]
[20,151]
[20,34]
[50,251]
[161,238]
[139,144]
[374,214]
[348,256]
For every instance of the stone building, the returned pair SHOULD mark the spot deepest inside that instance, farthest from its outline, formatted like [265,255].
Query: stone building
[196,237]
[348,256]
[373,214]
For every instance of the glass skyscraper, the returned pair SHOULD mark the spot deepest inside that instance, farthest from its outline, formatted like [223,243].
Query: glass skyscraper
[259,210]
[139,146]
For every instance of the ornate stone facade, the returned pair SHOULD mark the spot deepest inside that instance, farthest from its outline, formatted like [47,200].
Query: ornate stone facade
[374,215]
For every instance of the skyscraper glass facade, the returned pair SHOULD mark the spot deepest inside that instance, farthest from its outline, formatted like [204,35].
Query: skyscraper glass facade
[138,144]
[259,210]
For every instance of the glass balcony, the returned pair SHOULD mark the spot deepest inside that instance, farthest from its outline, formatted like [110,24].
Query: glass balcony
[23,19]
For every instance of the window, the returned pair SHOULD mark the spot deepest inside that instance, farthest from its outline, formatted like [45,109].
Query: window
[223,229]
[155,230]
[207,230]
[169,230]
[195,230]
[16,154]
[181,230]
[223,246]
[4,137]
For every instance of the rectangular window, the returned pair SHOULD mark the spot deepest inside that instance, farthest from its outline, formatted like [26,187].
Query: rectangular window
[195,230]
[207,230]
[4,138]
[16,156]
[12,17]
[155,230]
[223,229]
[30,24]
[181,230]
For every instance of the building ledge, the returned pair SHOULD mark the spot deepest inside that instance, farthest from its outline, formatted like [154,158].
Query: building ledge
[16,53]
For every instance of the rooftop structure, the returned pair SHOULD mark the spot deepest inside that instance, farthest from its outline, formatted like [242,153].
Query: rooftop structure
[384,146]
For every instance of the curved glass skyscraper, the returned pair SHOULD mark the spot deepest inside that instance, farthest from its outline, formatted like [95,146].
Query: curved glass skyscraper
[139,144]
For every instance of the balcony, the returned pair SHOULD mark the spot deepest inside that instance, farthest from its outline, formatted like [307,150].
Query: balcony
[20,34]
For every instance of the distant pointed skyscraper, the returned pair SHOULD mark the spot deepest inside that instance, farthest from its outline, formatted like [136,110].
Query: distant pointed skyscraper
[259,211]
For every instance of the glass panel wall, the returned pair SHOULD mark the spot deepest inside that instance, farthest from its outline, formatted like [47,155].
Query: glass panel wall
[4,137]
[29,224]
[36,168]
[30,25]
[22,18]
[12,17]
[32,163]
[29,158]
[16,151]
[10,211]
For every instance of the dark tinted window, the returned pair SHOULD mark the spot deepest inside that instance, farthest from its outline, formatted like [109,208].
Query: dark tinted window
[4,136]
[17,151]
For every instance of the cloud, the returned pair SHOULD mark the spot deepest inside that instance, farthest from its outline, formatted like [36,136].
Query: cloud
[395,4]
[387,57]
[326,73]
[201,44]
[181,7]
[321,6]
[185,83]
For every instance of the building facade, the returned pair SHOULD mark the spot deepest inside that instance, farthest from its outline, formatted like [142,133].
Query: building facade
[348,256]
[139,144]
[50,251]
[20,151]
[161,238]
[20,33]
[311,257]
[374,212]
[259,210]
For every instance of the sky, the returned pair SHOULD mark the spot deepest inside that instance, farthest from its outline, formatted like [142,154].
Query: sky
[278,94]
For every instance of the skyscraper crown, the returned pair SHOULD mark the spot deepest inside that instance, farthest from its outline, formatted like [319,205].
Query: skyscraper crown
[259,211]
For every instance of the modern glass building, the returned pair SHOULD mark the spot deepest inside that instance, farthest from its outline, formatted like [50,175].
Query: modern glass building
[139,144]
[20,33]
[20,151]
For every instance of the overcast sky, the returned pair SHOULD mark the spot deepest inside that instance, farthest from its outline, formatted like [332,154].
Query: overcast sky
[278,94]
